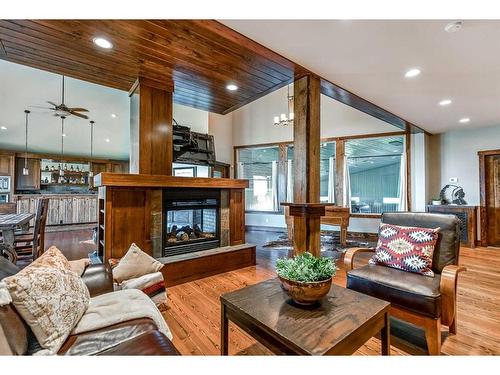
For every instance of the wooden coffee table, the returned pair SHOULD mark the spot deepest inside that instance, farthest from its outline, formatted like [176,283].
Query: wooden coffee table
[340,325]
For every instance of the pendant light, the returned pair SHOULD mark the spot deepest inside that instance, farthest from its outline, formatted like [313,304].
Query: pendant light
[61,169]
[283,119]
[26,171]
[91,174]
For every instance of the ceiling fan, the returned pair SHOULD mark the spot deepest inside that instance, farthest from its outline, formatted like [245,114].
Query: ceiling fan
[63,110]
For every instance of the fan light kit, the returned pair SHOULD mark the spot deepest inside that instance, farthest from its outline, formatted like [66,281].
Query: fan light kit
[102,42]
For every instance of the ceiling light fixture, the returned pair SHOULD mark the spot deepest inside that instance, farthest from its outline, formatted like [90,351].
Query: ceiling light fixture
[61,168]
[108,140]
[3,128]
[92,122]
[445,102]
[64,135]
[113,115]
[102,42]
[232,87]
[412,73]
[464,120]
[283,120]
[453,26]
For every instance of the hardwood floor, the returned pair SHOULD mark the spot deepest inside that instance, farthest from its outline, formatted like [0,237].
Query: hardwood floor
[193,314]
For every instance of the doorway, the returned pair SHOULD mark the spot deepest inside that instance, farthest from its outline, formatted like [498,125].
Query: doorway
[489,163]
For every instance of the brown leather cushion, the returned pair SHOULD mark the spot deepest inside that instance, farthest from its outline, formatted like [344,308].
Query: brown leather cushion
[448,244]
[93,342]
[149,343]
[408,290]
[12,324]
[98,278]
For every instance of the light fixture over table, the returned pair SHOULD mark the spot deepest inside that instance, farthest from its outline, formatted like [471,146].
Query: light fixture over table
[26,171]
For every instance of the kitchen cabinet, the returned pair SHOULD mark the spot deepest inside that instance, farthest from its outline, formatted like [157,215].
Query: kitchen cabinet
[6,165]
[32,180]
[63,208]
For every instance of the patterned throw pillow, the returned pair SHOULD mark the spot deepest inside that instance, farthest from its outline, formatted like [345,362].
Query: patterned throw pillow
[406,248]
[50,297]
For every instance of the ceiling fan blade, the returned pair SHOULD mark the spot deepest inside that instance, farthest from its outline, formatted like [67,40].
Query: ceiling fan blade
[78,114]
[52,103]
[78,109]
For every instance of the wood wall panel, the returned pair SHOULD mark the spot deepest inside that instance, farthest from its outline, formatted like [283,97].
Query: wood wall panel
[237,216]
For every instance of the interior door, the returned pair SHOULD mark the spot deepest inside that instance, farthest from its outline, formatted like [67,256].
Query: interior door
[492,182]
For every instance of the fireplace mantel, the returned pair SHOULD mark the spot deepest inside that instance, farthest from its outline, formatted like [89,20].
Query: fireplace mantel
[159,181]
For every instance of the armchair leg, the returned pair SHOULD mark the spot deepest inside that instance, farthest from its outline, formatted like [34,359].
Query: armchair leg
[433,335]
[453,326]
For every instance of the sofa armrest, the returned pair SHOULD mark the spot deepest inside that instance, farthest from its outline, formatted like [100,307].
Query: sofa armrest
[349,256]
[98,278]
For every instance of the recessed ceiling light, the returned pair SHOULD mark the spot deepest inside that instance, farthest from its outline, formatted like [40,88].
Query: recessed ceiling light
[103,43]
[108,140]
[464,120]
[3,128]
[232,87]
[412,73]
[453,26]
[445,102]
[113,115]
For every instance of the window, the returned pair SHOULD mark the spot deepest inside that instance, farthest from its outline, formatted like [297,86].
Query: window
[260,166]
[376,174]
[327,172]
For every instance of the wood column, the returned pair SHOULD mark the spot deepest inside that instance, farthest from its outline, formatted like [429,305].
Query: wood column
[151,133]
[306,136]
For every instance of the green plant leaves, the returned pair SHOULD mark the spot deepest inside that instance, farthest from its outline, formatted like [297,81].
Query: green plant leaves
[306,267]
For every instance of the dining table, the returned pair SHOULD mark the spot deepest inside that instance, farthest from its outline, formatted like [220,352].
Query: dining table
[9,223]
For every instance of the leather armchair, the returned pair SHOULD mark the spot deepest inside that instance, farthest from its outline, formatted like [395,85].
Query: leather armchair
[425,301]
[132,337]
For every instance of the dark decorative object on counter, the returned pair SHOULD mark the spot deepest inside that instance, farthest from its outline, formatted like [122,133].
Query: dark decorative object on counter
[457,195]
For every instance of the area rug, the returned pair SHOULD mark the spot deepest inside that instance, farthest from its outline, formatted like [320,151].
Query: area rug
[330,241]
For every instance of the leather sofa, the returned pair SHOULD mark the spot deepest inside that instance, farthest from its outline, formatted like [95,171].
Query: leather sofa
[16,337]
[425,301]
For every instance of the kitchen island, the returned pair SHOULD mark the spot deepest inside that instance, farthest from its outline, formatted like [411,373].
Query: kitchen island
[64,209]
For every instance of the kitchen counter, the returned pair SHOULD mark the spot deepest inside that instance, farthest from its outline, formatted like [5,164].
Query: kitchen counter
[63,208]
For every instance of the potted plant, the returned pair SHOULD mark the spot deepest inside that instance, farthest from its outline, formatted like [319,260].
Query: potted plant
[306,278]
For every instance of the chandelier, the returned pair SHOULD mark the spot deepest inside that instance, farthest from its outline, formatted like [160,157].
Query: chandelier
[283,119]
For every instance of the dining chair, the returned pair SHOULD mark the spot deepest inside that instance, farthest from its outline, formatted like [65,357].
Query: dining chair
[32,244]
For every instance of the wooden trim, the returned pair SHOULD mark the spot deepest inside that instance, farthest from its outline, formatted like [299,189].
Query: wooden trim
[483,215]
[155,181]
[489,152]
[326,139]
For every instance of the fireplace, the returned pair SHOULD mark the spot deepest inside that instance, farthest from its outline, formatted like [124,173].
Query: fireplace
[191,220]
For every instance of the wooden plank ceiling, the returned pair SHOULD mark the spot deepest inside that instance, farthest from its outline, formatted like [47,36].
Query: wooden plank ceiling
[198,57]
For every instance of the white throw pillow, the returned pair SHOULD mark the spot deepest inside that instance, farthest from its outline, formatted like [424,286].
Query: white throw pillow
[50,297]
[135,263]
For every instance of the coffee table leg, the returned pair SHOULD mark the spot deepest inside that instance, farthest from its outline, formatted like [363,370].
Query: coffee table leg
[385,336]
[224,339]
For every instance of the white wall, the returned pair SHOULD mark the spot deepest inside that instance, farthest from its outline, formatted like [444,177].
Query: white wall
[221,127]
[196,119]
[457,151]
[253,123]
